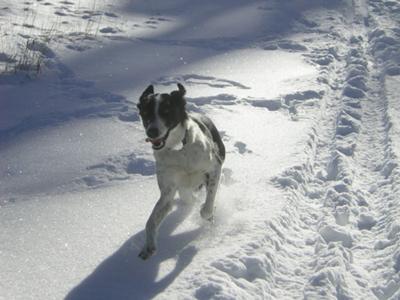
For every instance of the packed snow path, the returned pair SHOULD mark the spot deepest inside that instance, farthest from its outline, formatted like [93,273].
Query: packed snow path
[306,95]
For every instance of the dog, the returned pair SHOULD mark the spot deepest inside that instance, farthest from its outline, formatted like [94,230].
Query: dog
[188,151]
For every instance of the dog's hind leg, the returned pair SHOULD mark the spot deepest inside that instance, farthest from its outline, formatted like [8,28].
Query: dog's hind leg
[160,210]
[212,182]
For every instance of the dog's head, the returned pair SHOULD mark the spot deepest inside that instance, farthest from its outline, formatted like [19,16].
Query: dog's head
[161,113]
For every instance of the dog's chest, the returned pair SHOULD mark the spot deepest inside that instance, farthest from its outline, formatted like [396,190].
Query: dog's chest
[187,166]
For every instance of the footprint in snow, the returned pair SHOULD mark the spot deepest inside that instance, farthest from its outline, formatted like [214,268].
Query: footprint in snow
[28,25]
[307,23]
[242,148]
[79,48]
[270,104]
[224,136]
[60,13]
[195,79]
[40,47]
[67,2]
[323,57]
[302,96]
[160,19]
[221,99]
[118,168]
[291,45]
[226,177]
[108,29]
[285,45]
[93,12]
[110,14]
[393,71]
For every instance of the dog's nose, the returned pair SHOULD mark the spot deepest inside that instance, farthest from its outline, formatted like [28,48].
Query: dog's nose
[152,132]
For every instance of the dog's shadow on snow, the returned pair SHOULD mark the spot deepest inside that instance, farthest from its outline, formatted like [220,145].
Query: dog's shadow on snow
[124,275]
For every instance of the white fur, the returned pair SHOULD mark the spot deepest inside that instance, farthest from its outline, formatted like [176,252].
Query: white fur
[157,122]
[184,169]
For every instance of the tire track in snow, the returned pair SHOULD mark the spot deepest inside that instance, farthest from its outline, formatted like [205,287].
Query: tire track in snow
[382,257]
[361,141]
[359,180]
[323,186]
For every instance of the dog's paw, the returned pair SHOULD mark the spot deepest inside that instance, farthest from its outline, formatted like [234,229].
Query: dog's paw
[206,213]
[147,252]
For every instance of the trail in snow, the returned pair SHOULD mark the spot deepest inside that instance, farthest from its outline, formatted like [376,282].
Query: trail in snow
[306,98]
[355,208]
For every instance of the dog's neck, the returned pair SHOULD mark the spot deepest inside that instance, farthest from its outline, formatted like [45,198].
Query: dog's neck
[177,137]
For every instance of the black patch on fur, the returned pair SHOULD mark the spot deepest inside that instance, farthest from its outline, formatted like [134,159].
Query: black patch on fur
[147,103]
[205,124]
[203,127]
[171,109]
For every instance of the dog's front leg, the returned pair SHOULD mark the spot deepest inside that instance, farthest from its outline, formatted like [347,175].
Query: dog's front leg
[158,214]
[212,181]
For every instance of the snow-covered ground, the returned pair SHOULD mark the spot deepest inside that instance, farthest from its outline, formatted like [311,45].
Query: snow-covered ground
[306,96]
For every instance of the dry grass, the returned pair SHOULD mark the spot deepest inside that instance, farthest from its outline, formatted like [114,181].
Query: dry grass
[25,41]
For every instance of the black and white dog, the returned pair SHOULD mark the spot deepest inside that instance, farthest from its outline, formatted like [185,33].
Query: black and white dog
[189,153]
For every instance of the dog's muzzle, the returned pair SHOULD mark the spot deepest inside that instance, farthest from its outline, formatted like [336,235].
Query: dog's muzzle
[158,143]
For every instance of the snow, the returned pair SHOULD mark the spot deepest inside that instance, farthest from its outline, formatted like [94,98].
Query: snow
[305,95]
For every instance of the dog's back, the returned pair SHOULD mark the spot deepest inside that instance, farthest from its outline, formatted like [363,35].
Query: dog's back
[205,125]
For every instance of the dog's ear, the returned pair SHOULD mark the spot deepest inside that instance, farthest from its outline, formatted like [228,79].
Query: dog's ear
[177,96]
[182,89]
[149,90]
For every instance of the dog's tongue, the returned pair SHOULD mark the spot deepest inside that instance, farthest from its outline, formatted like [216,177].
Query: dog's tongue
[155,142]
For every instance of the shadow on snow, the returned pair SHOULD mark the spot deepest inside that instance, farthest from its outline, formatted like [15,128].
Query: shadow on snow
[125,276]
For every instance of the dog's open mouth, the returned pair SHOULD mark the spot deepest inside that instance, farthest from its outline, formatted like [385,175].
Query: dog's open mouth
[157,144]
